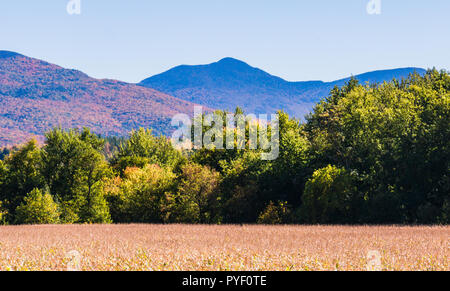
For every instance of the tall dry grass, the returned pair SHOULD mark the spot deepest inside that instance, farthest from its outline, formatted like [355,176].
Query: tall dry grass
[182,247]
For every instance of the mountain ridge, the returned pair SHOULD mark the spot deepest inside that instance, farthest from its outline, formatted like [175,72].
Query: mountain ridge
[36,96]
[230,82]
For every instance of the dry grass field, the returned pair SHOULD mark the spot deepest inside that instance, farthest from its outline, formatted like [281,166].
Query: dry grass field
[181,247]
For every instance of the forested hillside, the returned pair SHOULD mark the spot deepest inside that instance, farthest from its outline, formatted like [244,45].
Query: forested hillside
[366,154]
[36,96]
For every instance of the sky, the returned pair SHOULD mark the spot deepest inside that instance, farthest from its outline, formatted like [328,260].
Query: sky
[298,40]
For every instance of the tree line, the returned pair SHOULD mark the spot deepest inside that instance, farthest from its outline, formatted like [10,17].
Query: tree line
[367,154]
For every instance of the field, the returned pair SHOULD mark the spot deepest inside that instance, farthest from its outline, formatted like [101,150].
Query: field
[182,247]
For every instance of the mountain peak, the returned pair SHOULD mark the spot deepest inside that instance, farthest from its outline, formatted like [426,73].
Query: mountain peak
[229,83]
[229,60]
[8,54]
[232,63]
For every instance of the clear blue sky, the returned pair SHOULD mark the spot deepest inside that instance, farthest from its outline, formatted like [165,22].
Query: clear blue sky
[295,39]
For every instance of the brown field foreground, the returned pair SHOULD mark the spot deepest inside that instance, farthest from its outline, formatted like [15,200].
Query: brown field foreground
[183,247]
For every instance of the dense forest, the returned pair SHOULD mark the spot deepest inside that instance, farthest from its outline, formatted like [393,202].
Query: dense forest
[367,154]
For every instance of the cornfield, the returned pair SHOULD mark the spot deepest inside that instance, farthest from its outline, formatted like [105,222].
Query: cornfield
[215,248]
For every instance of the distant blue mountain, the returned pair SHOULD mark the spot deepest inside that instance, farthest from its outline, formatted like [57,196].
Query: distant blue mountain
[230,83]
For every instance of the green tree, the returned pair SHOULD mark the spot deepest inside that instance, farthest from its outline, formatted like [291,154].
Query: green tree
[38,208]
[328,196]
[197,197]
[143,148]
[141,194]
[20,174]
[395,136]
[286,179]
[243,193]
[74,170]
[96,210]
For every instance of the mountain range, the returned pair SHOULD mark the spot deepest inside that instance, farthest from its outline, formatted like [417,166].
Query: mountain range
[36,96]
[229,83]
